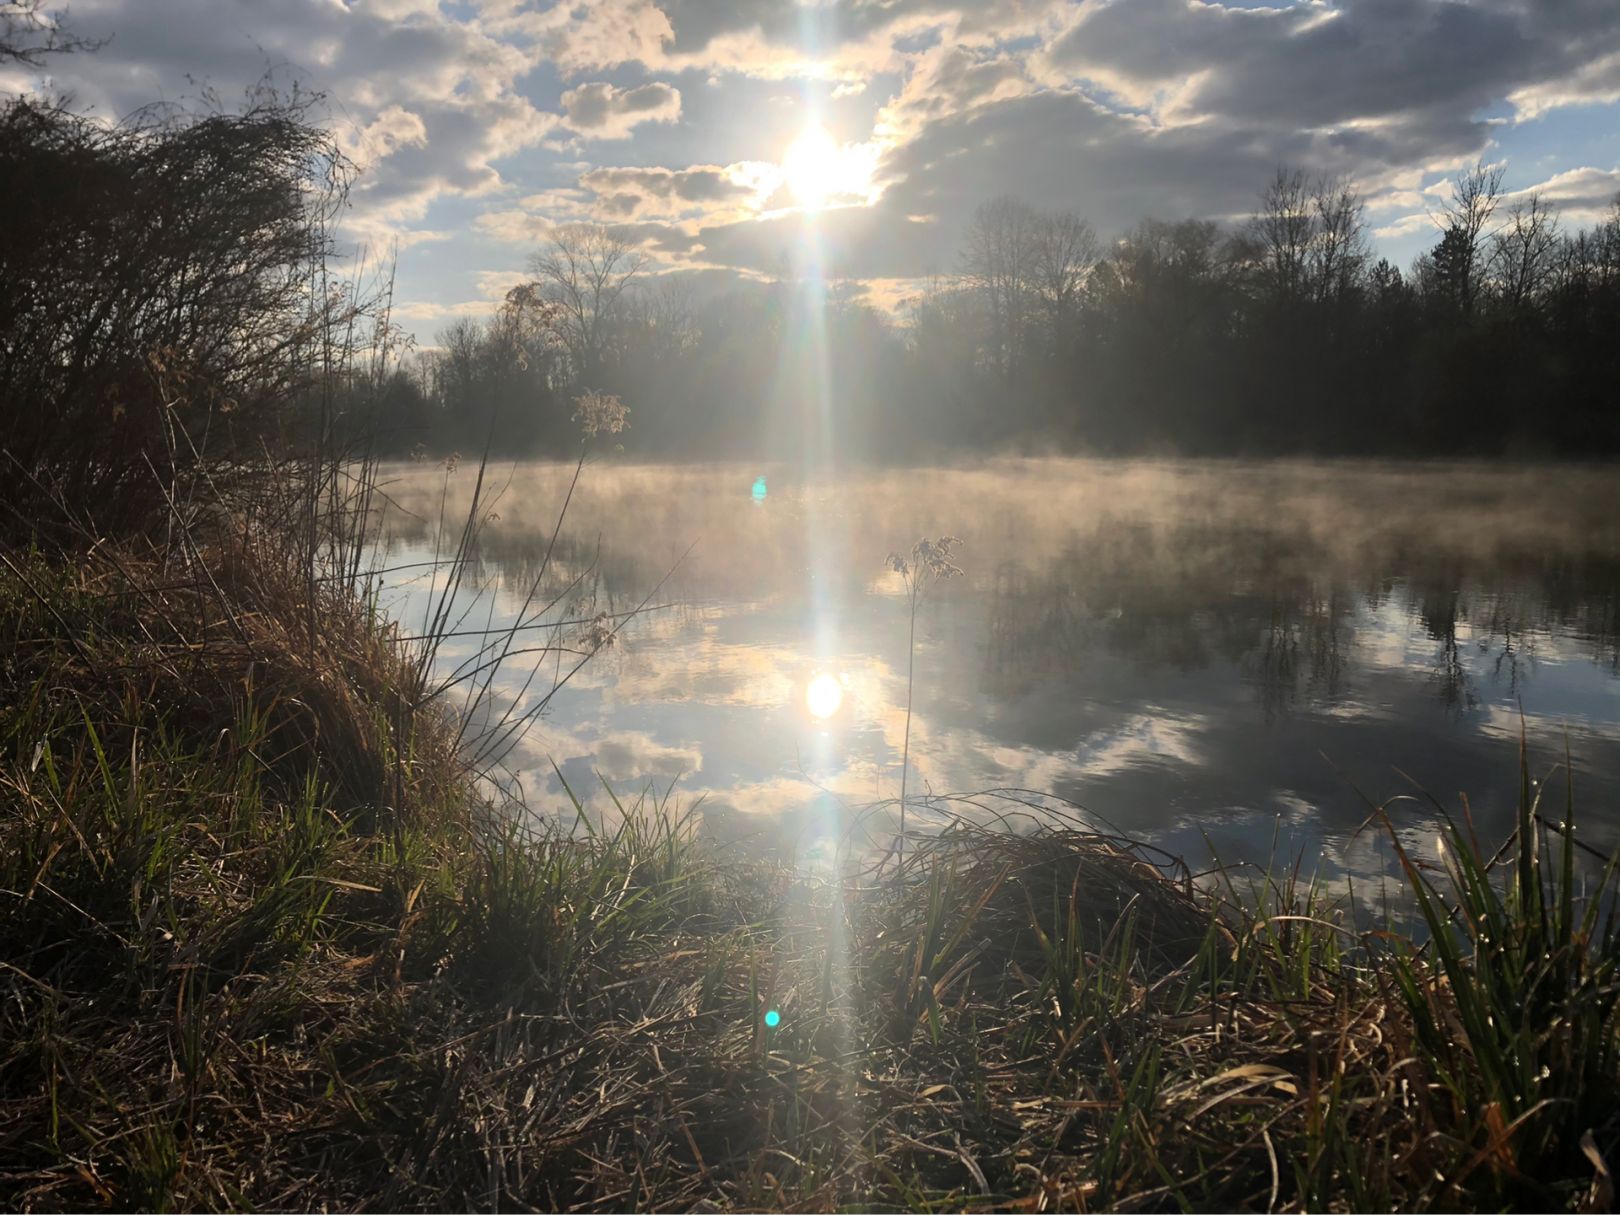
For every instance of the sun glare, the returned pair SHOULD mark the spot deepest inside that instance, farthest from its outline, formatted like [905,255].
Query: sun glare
[810,166]
[819,170]
[823,696]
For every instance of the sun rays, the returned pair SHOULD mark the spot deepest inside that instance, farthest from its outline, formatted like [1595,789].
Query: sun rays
[819,172]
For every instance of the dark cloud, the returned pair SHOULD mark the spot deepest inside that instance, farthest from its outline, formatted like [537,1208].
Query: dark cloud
[698,184]
[1066,150]
[697,23]
[859,242]
[661,238]
[1425,62]
[1057,150]
[1114,109]
[602,111]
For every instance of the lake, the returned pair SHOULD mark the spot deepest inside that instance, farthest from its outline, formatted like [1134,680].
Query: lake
[1207,655]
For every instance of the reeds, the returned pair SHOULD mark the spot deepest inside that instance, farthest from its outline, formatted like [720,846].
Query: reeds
[231,977]
[264,944]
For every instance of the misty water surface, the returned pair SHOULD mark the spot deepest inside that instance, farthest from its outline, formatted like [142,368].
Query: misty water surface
[1231,652]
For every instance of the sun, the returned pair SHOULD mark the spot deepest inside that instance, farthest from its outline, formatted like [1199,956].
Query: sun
[811,166]
[818,169]
[823,696]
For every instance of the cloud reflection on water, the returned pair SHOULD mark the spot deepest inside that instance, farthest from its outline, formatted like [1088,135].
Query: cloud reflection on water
[1175,645]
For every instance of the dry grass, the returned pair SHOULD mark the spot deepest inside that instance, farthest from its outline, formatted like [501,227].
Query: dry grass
[259,948]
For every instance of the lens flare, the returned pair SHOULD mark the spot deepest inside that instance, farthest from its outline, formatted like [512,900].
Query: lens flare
[823,696]
[773,1019]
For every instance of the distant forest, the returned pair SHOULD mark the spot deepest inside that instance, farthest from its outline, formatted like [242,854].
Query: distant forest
[1283,334]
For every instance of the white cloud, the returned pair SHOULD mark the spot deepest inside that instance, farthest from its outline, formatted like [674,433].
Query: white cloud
[1582,195]
[438,311]
[580,37]
[1169,107]
[1595,82]
[494,284]
[518,226]
[1579,196]
[1406,225]
[425,103]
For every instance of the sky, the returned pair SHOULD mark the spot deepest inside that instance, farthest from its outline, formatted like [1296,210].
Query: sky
[724,136]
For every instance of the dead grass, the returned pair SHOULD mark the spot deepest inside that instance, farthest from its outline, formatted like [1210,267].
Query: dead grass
[260,948]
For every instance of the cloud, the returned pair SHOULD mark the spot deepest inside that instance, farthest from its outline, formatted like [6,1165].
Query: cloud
[579,37]
[1114,109]
[394,127]
[654,206]
[1578,196]
[948,80]
[633,191]
[634,756]
[514,226]
[425,103]
[1581,195]
[1407,225]
[1058,150]
[1430,65]
[764,39]
[439,311]
[1597,81]
[494,284]
[860,242]
[601,111]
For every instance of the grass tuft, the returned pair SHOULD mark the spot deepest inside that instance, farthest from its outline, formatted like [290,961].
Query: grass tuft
[263,945]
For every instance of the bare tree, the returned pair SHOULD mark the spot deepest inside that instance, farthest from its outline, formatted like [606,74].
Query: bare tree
[1607,240]
[1464,220]
[454,366]
[28,34]
[585,270]
[1282,233]
[1065,249]
[999,260]
[657,323]
[1524,251]
[162,268]
[1339,249]
[1590,259]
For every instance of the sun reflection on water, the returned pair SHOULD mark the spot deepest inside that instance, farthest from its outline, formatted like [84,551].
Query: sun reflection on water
[824,696]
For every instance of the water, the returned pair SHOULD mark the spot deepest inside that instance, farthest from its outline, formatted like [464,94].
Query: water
[1208,654]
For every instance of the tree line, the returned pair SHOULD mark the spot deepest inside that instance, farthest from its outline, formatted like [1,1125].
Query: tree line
[1284,334]
[173,288]
[1279,335]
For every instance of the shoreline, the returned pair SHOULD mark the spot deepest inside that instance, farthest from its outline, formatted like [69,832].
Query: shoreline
[289,963]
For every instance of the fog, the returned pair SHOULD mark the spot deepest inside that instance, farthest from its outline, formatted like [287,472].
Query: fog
[1187,649]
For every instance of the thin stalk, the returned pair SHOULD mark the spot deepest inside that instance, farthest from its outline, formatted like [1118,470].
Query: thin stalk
[905,751]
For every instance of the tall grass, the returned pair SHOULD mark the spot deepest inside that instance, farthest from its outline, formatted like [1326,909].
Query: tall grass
[264,942]
[230,978]
[925,563]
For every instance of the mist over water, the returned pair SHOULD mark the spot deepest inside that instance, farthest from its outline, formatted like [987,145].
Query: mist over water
[1203,653]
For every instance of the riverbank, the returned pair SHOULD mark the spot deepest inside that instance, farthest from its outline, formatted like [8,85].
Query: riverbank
[263,945]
